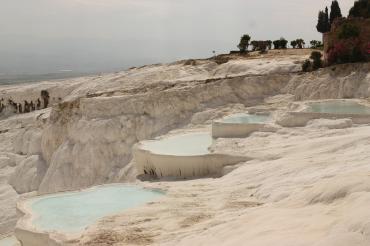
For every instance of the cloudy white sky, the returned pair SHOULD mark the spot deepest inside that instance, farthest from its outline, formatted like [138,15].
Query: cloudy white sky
[41,36]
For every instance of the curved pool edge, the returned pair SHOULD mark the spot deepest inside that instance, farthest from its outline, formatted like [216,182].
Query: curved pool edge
[300,117]
[181,137]
[240,128]
[161,165]
[8,239]
[29,234]
[235,130]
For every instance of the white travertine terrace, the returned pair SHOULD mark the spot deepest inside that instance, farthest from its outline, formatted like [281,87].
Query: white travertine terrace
[160,159]
[315,175]
[86,138]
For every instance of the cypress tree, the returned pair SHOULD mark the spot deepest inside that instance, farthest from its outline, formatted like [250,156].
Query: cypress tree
[335,11]
[361,8]
[327,22]
[321,22]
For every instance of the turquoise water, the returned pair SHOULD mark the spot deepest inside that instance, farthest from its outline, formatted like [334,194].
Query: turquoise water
[190,144]
[245,119]
[9,241]
[72,212]
[338,107]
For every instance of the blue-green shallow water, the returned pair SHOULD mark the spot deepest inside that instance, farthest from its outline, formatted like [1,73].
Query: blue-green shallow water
[72,212]
[338,107]
[190,144]
[9,241]
[245,119]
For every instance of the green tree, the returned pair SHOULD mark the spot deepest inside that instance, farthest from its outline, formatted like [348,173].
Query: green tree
[323,24]
[335,11]
[307,66]
[327,21]
[348,30]
[254,44]
[357,55]
[283,43]
[300,43]
[316,57]
[262,46]
[293,44]
[244,43]
[315,44]
[269,44]
[280,43]
[361,8]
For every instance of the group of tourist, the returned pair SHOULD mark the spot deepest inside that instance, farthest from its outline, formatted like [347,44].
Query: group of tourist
[20,108]
[26,106]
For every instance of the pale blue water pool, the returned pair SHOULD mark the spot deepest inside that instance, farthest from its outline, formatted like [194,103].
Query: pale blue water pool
[338,107]
[245,119]
[9,241]
[190,144]
[72,212]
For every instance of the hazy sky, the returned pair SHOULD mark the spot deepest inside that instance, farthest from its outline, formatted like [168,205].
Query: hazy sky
[41,36]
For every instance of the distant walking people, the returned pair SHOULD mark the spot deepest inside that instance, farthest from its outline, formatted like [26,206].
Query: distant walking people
[13,105]
[32,106]
[26,106]
[45,97]
[38,104]
[20,108]
[2,106]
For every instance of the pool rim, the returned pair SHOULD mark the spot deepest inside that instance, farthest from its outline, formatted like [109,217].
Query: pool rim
[306,105]
[25,221]
[140,145]
[267,114]
[222,129]
[8,235]
[296,115]
[158,161]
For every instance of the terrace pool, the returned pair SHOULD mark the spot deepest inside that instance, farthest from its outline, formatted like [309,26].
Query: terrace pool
[9,241]
[245,119]
[73,211]
[190,144]
[338,107]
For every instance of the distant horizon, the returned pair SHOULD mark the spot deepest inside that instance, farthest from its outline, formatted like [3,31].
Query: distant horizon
[98,36]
